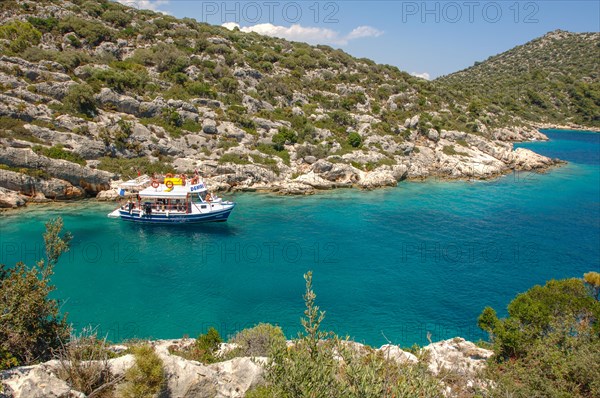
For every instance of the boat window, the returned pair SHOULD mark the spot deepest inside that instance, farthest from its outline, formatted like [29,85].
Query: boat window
[203,206]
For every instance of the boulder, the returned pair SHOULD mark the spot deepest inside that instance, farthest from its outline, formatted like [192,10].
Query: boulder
[254,105]
[10,199]
[209,126]
[412,122]
[56,90]
[457,355]
[394,353]
[378,178]
[315,181]
[108,195]
[121,103]
[433,135]
[322,166]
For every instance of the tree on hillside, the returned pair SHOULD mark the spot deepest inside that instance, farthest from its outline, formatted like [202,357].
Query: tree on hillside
[30,323]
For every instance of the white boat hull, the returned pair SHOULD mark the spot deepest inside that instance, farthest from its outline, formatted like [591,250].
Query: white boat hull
[218,214]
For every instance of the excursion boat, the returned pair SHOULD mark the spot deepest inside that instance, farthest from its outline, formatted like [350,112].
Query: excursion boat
[175,200]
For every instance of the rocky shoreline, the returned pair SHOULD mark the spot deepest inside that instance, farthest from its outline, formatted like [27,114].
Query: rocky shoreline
[232,378]
[428,157]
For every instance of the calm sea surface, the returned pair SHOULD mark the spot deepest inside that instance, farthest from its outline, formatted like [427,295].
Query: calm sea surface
[392,264]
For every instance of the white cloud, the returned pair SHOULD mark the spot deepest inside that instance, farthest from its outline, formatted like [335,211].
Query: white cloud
[423,75]
[364,31]
[307,34]
[145,4]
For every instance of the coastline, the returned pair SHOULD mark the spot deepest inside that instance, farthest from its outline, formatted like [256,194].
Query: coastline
[567,127]
[271,190]
[429,159]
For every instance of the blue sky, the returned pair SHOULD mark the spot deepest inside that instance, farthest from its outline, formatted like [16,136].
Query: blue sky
[433,38]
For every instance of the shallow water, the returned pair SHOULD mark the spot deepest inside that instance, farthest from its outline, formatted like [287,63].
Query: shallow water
[391,264]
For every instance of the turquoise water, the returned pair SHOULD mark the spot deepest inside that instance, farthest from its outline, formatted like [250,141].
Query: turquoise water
[391,264]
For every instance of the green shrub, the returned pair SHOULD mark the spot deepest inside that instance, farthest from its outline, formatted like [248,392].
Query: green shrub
[200,89]
[129,168]
[15,128]
[80,99]
[259,340]
[94,32]
[204,348]
[561,364]
[117,17]
[146,378]
[43,24]
[93,8]
[537,312]
[57,152]
[283,137]
[342,118]
[20,35]
[166,58]
[354,139]
[234,158]
[549,346]
[592,280]
[133,78]
[207,345]
[31,327]
[271,150]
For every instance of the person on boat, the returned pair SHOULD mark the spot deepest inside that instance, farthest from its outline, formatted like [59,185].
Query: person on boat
[129,206]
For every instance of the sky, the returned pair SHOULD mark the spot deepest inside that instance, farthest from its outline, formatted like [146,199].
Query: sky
[425,38]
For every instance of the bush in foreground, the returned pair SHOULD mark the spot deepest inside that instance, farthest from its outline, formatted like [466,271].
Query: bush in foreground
[258,341]
[320,364]
[549,345]
[84,364]
[30,324]
[204,348]
[146,378]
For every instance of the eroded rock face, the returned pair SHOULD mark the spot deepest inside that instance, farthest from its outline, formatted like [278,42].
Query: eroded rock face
[92,181]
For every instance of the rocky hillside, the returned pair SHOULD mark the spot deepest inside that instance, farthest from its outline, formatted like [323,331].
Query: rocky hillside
[93,91]
[552,79]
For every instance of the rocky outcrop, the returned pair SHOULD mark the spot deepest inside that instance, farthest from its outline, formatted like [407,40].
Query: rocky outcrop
[51,188]
[10,199]
[184,378]
[395,353]
[456,355]
[92,181]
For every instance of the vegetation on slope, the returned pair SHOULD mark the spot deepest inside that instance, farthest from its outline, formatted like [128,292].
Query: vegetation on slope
[552,79]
